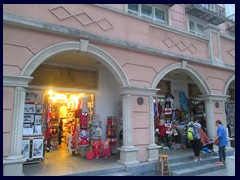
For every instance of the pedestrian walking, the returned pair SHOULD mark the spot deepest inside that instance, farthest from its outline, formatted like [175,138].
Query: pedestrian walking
[222,142]
[196,142]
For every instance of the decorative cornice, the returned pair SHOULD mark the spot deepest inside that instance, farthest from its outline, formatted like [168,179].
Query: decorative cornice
[138,91]
[214,97]
[210,26]
[16,81]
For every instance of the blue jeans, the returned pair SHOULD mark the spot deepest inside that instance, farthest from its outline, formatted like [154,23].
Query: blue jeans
[222,155]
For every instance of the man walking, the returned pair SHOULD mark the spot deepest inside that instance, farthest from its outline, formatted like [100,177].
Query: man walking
[222,142]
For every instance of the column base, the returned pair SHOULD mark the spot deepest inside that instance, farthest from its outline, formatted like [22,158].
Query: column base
[128,155]
[13,166]
[153,152]
[230,165]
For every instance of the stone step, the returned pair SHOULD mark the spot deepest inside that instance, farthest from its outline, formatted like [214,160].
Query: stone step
[185,166]
[190,163]
[102,172]
[197,170]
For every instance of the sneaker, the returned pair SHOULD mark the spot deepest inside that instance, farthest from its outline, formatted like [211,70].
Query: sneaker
[219,163]
[196,159]
[199,159]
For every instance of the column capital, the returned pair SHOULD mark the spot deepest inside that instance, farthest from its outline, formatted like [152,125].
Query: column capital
[214,97]
[16,81]
[138,91]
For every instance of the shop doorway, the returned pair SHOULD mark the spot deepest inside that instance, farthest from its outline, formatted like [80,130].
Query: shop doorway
[104,102]
[176,104]
[230,112]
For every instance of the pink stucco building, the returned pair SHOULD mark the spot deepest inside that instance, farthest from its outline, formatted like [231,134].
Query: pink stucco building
[127,56]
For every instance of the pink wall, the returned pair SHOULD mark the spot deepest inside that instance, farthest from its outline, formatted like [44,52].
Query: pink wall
[228,52]
[25,43]
[123,27]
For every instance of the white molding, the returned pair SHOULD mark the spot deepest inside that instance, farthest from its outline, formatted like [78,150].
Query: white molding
[190,71]
[138,91]
[232,78]
[184,63]
[83,45]
[214,97]
[100,55]
[16,81]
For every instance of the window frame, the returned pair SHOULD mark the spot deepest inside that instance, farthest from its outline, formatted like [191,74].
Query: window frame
[197,22]
[153,13]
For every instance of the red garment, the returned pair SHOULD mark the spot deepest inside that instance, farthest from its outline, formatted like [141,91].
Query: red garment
[106,152]
[84,120]
[83,138]
[162,130]
[96,148]
[204,138]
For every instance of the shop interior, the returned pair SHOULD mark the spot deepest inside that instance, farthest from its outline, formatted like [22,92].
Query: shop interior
[67,121]
[174,107]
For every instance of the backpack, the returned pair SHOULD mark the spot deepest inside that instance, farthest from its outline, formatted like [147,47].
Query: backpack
[192,132]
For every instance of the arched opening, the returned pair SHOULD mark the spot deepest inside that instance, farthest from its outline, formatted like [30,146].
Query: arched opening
[230,108]
[78,70]
[177,103]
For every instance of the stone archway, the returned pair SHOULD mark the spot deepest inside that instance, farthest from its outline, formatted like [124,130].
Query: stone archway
[199,81]
[84,47]
[189,70]
[16,159]
[229,107]
[231,79]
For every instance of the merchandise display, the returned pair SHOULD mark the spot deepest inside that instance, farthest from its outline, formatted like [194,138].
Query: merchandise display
[171,119]
[33,139]
[112,130]
[67,120]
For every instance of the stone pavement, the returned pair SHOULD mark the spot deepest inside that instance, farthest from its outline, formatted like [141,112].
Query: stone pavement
[222,172]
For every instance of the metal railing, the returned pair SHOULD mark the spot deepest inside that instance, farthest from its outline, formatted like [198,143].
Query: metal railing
[208,8]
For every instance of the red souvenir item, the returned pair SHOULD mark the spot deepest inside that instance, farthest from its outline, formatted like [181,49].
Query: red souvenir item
[96,148]
[83,137]
[84,120]
[162,130]
[106,152]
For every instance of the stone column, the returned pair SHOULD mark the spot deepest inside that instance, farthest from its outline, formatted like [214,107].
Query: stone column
[128,153]
[13,163]
[210,101]
[152,148]
[19,101]
[210,121]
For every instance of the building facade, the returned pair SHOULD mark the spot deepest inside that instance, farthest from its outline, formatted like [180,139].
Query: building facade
[139,51]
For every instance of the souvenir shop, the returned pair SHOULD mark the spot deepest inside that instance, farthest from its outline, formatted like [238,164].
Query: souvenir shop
[172,113]
[65,120]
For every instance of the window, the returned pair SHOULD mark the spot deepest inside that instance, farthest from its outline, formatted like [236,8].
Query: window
[160,15]
[149,11]
[133,8]
[196,28]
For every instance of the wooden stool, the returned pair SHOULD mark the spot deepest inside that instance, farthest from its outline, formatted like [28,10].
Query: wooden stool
[165,169]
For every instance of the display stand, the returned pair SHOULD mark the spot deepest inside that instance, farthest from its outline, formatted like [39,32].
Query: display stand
[52,127]
[96,128]
[33,149]
[33,140]
[111,131]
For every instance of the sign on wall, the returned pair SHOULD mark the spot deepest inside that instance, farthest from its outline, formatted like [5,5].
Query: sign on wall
[47,75]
